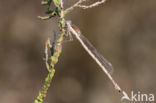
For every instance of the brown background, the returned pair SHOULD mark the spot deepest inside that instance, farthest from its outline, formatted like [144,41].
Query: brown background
[124,31]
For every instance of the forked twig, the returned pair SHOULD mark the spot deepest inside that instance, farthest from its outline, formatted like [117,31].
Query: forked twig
[79,4]
[92,5]
[75,5]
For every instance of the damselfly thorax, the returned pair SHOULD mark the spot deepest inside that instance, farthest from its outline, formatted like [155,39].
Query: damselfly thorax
[68,35]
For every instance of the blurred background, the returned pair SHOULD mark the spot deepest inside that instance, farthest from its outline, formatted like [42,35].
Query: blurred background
[123,31]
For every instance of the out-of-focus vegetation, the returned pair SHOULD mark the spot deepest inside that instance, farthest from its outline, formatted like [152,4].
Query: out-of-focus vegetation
[122,30]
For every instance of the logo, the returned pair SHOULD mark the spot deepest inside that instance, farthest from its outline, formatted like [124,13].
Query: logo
[138,97]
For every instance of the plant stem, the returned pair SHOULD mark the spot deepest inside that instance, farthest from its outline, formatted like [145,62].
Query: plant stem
[53,58]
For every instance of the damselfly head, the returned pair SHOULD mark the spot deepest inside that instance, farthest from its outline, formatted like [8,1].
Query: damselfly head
[74,27]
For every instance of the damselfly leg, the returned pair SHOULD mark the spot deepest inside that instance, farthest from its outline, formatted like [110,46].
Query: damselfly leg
[68,36]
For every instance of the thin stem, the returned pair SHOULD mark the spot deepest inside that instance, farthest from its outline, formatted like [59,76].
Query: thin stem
[92,5]
[79,4]
[53,58]
[74,6]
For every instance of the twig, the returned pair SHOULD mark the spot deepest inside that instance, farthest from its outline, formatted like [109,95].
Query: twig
[47,43]
[79,4]
[75,5]
[61,3]
[92,5]
[53,58]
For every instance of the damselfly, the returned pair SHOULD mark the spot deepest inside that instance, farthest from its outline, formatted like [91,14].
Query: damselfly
[100,60]
[90,48]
